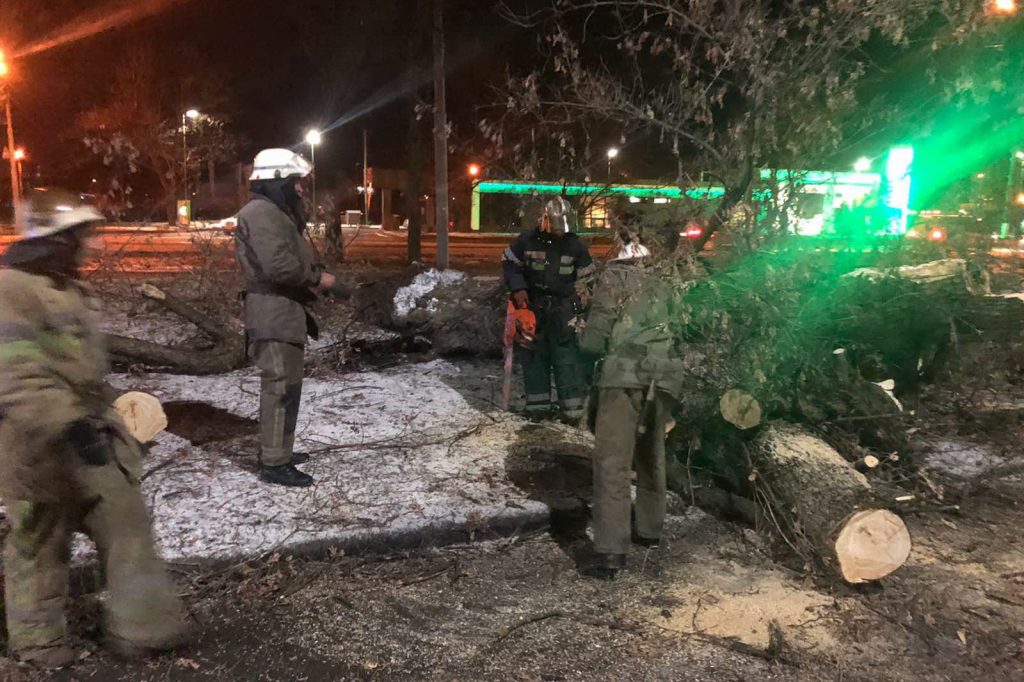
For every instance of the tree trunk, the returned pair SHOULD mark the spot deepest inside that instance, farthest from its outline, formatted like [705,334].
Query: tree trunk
[824,507]
[228,353]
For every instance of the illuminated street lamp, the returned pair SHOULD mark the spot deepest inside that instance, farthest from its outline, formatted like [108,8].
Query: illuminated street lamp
[190,115]
[613,152]
[474,170]
[313,138]
[1004,6]
[863,165]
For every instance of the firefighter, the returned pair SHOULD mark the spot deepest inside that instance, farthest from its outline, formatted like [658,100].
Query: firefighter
[67,461]
[541,269]
[638,382]
[282,280]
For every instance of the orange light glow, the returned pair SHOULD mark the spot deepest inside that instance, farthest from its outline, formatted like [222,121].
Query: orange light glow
[1004,6]
[1020,199]
[4,69]
[473,170]
[19,154]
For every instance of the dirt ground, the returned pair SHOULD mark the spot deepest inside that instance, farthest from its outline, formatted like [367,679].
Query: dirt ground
[713,603]
[702,607]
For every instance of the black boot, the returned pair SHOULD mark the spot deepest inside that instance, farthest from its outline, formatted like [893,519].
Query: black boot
[605,566]
[286,474]
[300,457]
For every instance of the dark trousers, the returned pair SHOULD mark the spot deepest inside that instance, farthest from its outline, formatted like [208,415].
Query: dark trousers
[630,434]
[281,367]
[554,352]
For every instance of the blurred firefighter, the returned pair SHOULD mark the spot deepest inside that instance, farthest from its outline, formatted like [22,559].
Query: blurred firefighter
[541,269]
[282,281]
[67,461]
[639,380]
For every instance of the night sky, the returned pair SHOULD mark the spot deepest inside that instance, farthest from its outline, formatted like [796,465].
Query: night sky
[284,66]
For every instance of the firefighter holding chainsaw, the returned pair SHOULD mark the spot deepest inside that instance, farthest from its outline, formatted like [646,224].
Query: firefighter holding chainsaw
[541,268]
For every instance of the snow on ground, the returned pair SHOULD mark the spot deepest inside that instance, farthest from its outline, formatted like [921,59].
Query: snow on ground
[396,454]
[960,458]
[422,285]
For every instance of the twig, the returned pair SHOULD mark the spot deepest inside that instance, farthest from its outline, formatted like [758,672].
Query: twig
[430,576]
[509,629]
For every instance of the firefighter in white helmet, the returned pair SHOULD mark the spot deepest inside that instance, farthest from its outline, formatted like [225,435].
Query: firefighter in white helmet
[282,280]
[67,462]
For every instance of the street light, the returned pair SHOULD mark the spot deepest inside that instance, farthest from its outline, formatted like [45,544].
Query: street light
[1020,155]
[863,165]
[613,152]
[190,115]
[1005,6]
[474,170]
[313,138]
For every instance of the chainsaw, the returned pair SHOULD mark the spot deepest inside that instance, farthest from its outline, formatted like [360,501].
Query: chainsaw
[520,330]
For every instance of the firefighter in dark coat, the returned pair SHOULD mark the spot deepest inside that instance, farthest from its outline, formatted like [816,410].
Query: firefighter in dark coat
[541,268]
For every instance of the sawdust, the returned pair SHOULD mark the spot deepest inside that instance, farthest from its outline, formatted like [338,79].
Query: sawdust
[739,602]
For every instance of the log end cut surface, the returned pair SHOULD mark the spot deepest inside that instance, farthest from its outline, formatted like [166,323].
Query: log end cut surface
[872,545]
[142,414]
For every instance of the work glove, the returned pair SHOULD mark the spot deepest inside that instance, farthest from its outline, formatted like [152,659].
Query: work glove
[520,299]
[90,441]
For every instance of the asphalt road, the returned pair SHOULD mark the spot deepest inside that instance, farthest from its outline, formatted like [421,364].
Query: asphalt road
[167,251]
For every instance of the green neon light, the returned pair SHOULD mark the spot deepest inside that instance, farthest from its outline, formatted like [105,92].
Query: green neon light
[641,191]
[898,186]
[824,177]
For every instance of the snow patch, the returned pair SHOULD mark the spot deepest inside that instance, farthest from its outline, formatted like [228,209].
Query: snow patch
[393,453]
[423,285]
[960,458]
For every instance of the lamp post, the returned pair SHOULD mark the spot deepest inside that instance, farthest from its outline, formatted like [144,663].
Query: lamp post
[5,94]
[613,152]
[19,156]
[313,138]
[189,115]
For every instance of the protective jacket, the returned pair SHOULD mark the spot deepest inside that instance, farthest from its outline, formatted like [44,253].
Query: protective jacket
[628,325]
[279,269]
[546,265]
[52,368]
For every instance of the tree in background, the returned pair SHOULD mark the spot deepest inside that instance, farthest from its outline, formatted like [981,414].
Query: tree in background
[137,132]
[713,89]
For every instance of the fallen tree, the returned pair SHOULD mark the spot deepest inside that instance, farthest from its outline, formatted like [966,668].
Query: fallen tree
[225,353]
[796,363]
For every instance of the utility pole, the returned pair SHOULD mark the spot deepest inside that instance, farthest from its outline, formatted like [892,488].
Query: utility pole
[5,93]
[440,139]
[367,178]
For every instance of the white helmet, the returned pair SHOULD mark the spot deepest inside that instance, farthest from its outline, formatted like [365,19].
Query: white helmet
[560,212]
[273,164]
[49,211]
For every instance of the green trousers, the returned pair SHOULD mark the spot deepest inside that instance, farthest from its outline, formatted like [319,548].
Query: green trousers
[630,434]
[281,366]
[554,352]
[141,605]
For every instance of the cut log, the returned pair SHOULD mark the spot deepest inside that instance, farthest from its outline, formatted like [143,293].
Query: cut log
[740,409]
[824,507]
[143,414]
[871,545]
